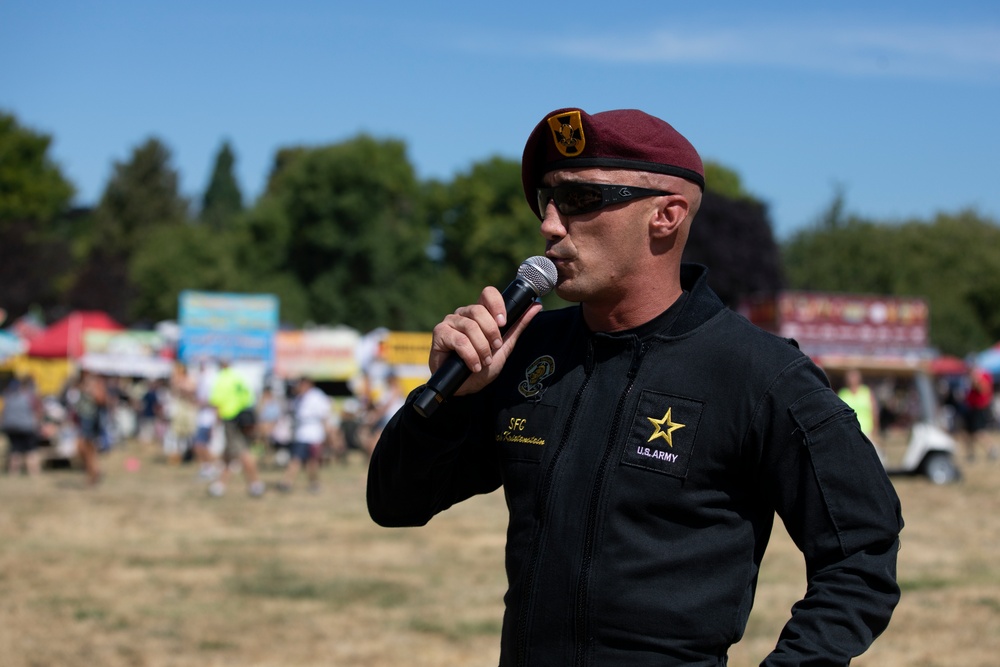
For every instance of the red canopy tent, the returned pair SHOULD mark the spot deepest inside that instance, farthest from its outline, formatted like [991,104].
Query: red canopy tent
[64,338]
[948,365]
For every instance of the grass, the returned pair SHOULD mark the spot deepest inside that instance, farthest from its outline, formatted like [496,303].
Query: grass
[148,571]
[276,581]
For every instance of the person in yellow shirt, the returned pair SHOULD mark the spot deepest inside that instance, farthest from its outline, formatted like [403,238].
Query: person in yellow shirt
[234,400]
[862,400]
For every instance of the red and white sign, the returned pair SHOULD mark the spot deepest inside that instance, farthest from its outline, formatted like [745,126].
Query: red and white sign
[320,354]
[845,323]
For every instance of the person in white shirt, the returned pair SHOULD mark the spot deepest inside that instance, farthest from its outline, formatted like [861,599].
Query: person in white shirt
[311,413]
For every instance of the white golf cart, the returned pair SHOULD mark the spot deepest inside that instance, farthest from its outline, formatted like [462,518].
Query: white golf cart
[915,443]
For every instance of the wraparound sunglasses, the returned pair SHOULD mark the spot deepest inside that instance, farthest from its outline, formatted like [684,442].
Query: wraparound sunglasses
[579,198]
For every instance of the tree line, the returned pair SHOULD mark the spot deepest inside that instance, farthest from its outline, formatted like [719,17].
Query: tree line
[347,233]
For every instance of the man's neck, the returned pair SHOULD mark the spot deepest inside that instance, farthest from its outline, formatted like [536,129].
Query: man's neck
[625,315]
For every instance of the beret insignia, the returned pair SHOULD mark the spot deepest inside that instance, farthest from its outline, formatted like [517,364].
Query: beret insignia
[567,132]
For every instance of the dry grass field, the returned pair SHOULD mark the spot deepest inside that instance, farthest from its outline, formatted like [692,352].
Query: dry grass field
[147,571]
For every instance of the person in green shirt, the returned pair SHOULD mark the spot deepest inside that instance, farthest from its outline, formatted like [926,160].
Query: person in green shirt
[862,400]
[234,400]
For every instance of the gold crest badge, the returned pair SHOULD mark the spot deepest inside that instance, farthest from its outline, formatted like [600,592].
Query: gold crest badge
[540,369]
[567,133]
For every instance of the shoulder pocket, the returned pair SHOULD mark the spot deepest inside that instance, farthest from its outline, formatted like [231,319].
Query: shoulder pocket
[856,491]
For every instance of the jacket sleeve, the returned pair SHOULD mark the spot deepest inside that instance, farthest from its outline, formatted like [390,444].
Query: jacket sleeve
[422,466]
[839,507]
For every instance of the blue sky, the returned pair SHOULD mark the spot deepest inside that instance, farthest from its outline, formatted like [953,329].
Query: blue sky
[895,104]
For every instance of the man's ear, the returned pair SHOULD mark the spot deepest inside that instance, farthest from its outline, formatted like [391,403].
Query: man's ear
[668,216]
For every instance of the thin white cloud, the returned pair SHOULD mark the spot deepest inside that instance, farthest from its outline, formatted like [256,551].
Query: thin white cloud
[920,51]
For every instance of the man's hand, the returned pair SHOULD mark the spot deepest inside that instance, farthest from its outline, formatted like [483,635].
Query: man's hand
[473,333]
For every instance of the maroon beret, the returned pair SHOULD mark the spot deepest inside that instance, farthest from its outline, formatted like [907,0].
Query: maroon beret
[622,139]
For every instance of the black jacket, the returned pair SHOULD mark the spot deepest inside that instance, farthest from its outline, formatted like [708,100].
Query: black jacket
[642,470]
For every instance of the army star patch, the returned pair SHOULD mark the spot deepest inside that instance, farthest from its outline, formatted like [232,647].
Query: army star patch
[663,444]
[658,430]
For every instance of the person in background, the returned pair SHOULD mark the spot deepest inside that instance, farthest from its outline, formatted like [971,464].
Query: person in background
[20,422]
[234,400]
[182,413]
[862,400]
[353,428]
[978,411]
[389,401]
[150,410]
[90,410]
[645,438]
[207,427]
[270,409]
[311,415]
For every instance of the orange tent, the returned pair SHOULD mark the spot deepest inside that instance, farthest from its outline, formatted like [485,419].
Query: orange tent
[64,338]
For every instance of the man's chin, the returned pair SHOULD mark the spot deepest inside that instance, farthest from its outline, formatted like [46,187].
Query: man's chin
[567,293]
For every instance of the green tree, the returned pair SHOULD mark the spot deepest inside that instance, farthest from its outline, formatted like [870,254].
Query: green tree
[732,235]
[282,159]
[849,257]
[34,218]
[485,229]
[143,193]
[32,186]
[222,200]
[260,243]
[175,259]
[733,238]
[950,261]
[194,257]
[356,239]
[721,180]
[141,197]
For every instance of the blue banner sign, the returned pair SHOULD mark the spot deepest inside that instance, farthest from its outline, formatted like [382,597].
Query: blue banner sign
[219,325]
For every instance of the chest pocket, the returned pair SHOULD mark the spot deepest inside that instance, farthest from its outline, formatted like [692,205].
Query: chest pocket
[523,431]
[662,435]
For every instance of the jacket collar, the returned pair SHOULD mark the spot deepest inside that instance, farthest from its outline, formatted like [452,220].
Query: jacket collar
[696,306]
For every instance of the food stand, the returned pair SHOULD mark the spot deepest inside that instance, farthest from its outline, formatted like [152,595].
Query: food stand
[886,338]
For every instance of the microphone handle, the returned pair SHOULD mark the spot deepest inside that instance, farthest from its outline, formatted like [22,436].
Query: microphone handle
[446,380]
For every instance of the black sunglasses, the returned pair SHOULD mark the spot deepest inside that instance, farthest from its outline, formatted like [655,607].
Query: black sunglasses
[579,198]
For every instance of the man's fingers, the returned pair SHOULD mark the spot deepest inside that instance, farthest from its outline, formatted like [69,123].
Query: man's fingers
[471,332]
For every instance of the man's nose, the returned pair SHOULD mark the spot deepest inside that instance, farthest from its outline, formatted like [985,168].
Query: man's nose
[552,224]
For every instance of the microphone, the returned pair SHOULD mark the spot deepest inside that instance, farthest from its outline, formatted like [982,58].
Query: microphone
[535,277]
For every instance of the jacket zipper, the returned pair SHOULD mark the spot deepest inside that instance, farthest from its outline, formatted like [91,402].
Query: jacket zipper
[521,644]
[592,514]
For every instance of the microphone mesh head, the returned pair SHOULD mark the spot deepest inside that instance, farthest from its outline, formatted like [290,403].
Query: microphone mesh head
[540,273]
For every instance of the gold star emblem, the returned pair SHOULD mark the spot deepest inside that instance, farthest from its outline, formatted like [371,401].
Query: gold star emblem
[668,433]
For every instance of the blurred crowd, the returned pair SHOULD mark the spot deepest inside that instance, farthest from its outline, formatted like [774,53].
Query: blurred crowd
[209,417]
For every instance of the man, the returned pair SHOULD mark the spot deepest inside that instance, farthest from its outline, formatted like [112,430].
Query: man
[311,415]
[233,401]
[646,438]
